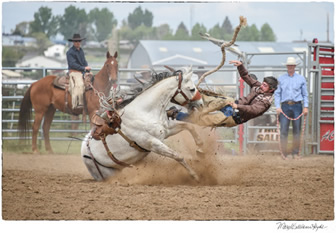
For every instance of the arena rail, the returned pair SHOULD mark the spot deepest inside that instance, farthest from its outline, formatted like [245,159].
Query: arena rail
[245,136]
[13,92]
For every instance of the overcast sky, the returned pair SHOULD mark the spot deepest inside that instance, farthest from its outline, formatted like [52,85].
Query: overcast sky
[289,21]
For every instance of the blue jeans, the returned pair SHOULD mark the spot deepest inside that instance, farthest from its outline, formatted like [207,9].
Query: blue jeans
[292,111]
[227,110]
[181,116]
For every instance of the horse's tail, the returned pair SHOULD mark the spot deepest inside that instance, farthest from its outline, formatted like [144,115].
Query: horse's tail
[25,114]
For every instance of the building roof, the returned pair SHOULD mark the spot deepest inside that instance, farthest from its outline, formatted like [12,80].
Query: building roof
[10,74]
[204,53]
[10,40]
[41,61]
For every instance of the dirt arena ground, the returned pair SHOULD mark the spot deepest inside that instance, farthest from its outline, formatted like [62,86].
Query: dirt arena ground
[250,187]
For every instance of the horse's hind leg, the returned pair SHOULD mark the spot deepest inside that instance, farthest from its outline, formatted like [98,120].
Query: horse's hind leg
[162,149]
[48,117]
[97,171]
[37,122]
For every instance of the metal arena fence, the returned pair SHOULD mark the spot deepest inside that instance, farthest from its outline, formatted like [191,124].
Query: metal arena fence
[259,134]
[64,126]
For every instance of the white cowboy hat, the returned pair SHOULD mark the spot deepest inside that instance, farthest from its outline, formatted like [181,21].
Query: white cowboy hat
[291,61]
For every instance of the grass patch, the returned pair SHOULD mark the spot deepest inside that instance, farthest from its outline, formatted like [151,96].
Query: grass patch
[71,146]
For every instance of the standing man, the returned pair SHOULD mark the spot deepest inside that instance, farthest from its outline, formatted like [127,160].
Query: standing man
[77,65]
[289,97]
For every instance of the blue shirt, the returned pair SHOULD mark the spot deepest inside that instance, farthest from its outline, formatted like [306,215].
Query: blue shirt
[76,59]
[291,88]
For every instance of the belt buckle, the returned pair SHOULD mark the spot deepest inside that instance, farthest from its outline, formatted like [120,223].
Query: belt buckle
[291,102]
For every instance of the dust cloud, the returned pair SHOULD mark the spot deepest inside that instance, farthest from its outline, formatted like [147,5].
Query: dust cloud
[214,167]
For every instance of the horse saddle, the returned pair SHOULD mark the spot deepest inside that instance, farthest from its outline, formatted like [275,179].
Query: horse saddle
[104,124]
[62,82]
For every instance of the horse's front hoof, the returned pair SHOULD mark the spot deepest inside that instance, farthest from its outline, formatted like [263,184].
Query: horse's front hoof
[36,152]
[196,178]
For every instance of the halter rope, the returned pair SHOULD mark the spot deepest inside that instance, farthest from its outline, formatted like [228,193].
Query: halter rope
[243,22]
[302,132]
[103,100]
[104,103]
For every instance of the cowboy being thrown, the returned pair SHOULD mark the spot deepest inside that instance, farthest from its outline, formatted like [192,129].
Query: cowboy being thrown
[220,111]
[77,66]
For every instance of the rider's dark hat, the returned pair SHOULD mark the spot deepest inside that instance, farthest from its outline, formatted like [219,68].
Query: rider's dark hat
[76,37]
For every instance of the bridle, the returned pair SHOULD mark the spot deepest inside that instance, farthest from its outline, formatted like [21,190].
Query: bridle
[187,100]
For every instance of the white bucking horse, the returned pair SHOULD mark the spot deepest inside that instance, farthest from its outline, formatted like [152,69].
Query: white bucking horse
[144,126]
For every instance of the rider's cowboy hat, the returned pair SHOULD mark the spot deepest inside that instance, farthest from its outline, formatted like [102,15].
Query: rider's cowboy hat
[291,61]
[76,37]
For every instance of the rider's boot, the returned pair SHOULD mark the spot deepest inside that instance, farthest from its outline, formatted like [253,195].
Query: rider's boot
[172,112]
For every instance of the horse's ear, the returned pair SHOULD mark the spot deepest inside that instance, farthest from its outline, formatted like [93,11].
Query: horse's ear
[116,54]
[190,68]
[108,55]
[170,68]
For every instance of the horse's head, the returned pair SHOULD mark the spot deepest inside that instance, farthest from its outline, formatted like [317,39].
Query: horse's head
[186,91]
[111,66]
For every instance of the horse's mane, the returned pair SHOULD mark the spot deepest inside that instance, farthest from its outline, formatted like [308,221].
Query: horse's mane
[210,93]
[137,90]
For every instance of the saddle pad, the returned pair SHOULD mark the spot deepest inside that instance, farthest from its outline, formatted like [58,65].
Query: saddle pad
[61,82]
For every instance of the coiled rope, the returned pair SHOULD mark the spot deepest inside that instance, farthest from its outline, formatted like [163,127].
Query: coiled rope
[243,22]
[105,102]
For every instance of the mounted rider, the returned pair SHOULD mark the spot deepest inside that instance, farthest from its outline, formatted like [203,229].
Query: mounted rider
[77,66]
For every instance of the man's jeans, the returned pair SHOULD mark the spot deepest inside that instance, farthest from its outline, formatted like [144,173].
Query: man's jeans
[292,111]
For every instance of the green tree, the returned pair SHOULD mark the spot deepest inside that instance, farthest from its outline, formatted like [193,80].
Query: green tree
[134,19]
[44,22]
[11,55]
[163,32]
[22,29]
[102,21]
[249,33]
[216,32]
[243,34]
[227,29]
[138,17]
[125,33]
[254,33]
[266,33]
[42,41]
[142,32]
[197,28]
[227,26]
[182,32]
[73,21]
[148,18]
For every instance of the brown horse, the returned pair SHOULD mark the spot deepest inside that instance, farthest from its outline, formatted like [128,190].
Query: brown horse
[45,98]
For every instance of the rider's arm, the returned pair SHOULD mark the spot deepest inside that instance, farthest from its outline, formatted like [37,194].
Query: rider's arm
[246,77]
[244,73]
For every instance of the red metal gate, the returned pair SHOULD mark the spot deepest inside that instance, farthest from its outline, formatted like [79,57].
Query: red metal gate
[324,58]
